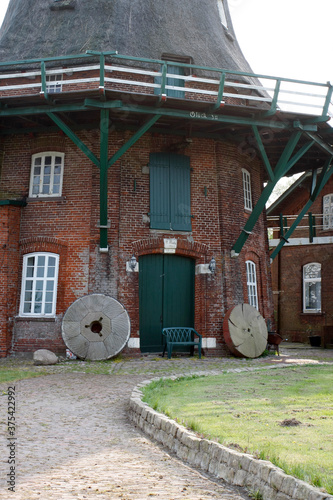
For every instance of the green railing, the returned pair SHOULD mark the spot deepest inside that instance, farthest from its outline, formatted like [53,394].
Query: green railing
[110,70]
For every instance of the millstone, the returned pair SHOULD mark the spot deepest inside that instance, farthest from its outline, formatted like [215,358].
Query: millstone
[245,331]
[96,327]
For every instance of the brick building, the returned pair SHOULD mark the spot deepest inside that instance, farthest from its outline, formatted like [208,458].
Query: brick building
[137,174]
[302,273]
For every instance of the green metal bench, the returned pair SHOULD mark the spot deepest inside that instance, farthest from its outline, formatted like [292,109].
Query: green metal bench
[181,336]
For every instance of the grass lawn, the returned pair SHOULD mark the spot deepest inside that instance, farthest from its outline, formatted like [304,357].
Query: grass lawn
[283,415]
[14,374]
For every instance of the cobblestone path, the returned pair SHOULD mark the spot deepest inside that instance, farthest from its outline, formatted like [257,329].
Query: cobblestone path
[74,442]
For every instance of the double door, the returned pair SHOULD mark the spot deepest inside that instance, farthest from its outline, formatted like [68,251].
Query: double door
[166,296]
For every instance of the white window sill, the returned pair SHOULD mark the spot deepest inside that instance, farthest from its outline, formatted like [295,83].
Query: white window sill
[50,319]
[45,198]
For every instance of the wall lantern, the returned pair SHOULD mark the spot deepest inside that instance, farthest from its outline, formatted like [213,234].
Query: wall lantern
[133,263]
[212,265]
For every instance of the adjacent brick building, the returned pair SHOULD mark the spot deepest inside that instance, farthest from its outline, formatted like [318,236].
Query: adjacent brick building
[136,175]
[302,273]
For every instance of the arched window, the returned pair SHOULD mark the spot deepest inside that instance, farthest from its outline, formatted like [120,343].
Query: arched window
[39,284]
[328,211]
[247,189]
[251,281]
[46,174]
[312,287]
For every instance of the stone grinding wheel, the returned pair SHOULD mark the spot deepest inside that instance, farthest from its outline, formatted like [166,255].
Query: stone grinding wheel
[245,331]
[96,327]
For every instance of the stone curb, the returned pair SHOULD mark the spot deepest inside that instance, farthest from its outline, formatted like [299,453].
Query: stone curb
[239,469]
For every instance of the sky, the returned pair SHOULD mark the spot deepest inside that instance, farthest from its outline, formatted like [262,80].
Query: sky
[3,8]
[286,38]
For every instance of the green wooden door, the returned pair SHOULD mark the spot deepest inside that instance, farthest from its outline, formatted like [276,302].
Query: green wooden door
[166,289]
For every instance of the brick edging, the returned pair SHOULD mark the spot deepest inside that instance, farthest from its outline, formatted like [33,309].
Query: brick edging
[239,469]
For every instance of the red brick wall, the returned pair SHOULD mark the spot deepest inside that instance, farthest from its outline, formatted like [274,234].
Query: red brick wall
[9,276]
[68,226]
[295,325]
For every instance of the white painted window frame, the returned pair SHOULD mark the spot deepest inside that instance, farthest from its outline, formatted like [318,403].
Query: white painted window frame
[246,176]
[328,211]
[39,284]
[251,283]
[43,156]
[53,83]
[306,282]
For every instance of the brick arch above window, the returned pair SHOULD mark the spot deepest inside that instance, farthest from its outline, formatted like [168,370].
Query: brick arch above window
[184,247]
[43,244]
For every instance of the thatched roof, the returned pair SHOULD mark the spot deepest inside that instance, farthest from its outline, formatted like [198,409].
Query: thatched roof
[143,28]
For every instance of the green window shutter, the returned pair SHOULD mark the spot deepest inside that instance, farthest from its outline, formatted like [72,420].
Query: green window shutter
[175,70]
[170,192]
[159,191]
[175,82]
[180,192]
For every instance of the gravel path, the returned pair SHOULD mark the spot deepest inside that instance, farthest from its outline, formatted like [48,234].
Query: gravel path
[74,440]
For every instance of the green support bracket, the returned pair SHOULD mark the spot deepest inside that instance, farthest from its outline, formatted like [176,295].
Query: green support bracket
[280,170]
[323,146]
[162,96]
[314,226]
[327,171]
[263,152]
[283,224]
[43,80]
[220,93]
[298,156]
[74,138]
[307,127]
[311,232]
[103,164]
[327,100]
[103,183]
[93,103]
[133,140]
[102,74]
[43,109]
[273,109]
[189,115]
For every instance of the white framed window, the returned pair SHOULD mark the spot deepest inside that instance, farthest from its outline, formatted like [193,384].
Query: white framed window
[328,211]
[39,284]
[251,281]
[53,83]
[222,13]
[312,287]
[247,189]
[46,174]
